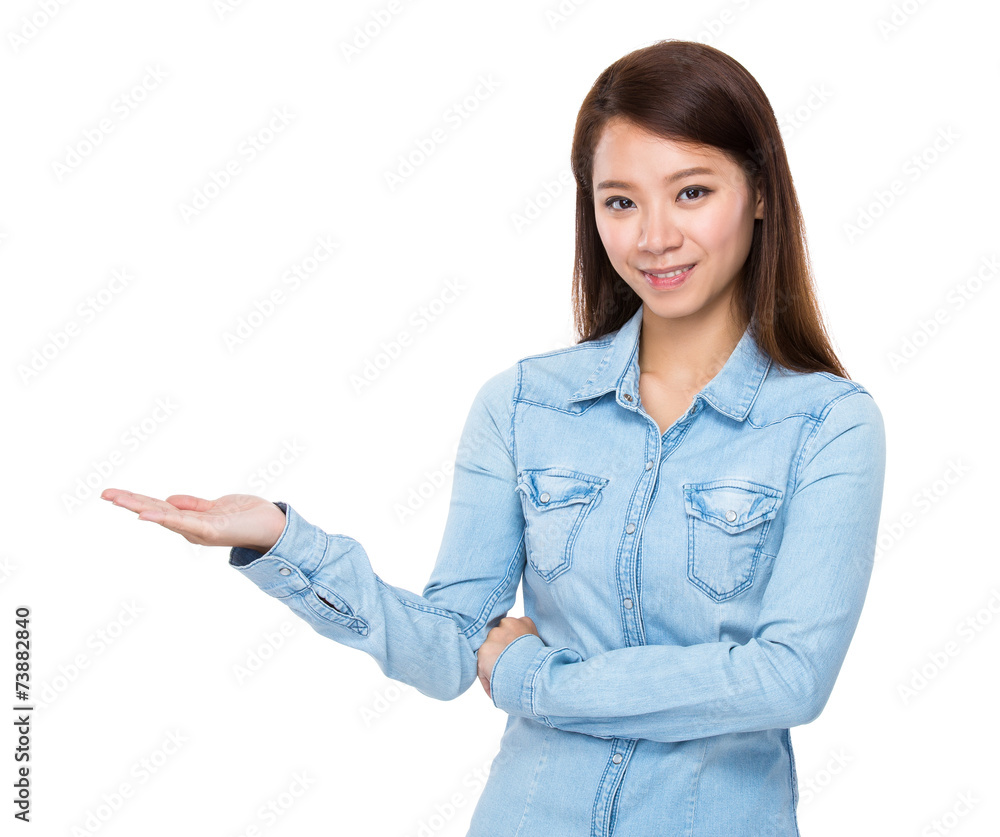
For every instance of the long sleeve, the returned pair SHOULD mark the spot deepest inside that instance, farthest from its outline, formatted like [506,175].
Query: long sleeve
[430,640]
[784,674]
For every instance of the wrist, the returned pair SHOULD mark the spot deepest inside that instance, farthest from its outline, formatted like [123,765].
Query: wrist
[279,520]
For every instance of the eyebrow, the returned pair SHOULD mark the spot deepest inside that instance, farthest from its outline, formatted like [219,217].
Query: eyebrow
[621,184]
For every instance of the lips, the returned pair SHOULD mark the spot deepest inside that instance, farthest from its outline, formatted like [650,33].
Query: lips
[675,278]
[669,272]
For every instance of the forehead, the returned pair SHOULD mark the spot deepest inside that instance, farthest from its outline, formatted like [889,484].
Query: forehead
[623,145]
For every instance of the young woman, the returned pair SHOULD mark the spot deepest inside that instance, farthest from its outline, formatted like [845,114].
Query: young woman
[689,495]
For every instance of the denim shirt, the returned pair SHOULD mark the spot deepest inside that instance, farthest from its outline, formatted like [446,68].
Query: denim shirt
[695,592]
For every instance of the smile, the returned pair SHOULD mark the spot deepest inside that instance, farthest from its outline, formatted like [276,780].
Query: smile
[670,279]
[671,274]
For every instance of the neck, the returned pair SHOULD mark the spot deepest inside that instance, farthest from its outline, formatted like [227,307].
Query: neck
[685,355]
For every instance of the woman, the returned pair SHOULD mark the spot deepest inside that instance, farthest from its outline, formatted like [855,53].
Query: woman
[691,494]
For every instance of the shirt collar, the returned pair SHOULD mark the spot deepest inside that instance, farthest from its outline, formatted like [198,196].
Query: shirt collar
[731,392]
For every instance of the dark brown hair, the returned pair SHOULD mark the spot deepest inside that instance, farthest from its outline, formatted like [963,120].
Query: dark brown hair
[690,92]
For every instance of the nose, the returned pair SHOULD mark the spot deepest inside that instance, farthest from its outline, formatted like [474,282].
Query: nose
[660,230]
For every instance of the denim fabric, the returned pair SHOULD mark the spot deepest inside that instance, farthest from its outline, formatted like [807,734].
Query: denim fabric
[695,591]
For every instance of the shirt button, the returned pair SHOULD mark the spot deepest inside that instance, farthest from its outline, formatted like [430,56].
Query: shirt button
[627,397]
[285,571]
[730,515]
[544,497]
[617,758]
[630,528]
[649,465]
[628,604]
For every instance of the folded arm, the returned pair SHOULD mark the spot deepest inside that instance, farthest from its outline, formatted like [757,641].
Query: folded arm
[781,677]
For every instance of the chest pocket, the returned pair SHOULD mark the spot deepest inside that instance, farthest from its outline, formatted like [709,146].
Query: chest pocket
[727,522]
[556,503]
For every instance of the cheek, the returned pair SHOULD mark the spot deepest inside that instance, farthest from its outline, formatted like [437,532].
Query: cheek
[727,233]
[615,238]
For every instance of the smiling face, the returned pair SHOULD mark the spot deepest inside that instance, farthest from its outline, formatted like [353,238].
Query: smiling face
[662,206]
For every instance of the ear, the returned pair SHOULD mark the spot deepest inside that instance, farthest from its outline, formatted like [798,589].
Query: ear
[759,212]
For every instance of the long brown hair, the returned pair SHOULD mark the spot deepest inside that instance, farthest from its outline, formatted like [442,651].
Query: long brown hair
[690,92]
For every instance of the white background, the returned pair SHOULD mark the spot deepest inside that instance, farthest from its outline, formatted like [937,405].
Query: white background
[858,96]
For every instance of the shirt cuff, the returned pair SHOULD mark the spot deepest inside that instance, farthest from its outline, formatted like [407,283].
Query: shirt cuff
[514,673]
[285,568]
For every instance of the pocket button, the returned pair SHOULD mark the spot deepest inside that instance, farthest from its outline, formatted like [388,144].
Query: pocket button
[728,520]
[553,516]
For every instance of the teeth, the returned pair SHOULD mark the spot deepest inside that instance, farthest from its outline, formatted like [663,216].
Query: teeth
[672,273]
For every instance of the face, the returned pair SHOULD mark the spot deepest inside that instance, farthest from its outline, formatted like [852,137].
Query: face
[656,217]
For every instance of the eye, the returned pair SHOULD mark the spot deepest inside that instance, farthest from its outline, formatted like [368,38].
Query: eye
[695,189]
[608,203]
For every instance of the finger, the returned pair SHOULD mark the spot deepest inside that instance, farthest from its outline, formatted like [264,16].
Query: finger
[190,503]
[189,524]
[136,502]
[113,493]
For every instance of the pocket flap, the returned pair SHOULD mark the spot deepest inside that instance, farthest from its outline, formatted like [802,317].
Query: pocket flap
[733,505]
[551,488]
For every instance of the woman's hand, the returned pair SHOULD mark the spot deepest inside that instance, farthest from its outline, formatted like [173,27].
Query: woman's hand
[509,629]
[233,520]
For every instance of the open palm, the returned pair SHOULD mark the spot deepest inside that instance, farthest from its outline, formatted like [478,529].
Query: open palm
[233,520]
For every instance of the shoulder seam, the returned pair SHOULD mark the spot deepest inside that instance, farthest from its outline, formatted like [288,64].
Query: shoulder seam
[818,421]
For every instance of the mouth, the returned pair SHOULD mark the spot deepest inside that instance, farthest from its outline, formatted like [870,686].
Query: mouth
[669,278]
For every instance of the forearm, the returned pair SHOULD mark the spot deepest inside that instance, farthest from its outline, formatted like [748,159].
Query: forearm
[327,580]
[660,692]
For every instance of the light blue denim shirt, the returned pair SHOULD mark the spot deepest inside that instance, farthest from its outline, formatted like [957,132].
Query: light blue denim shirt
[695,592]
